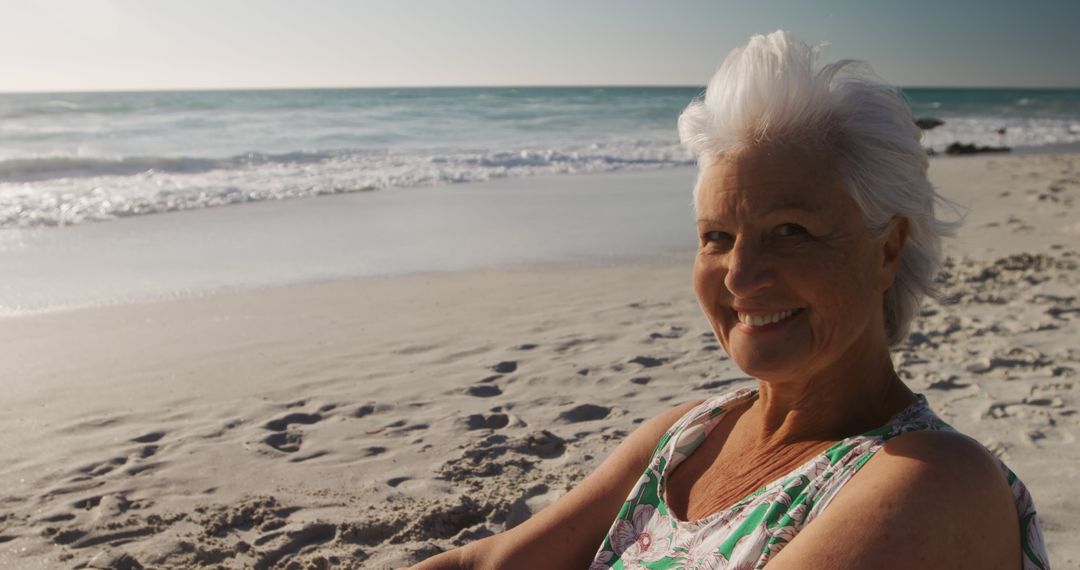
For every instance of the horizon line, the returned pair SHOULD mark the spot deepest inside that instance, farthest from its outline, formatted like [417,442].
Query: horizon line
[472,86]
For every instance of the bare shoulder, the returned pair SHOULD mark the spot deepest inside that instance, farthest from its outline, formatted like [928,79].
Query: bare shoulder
[938,453]
[941,465]
[940,445]
[567,533]
[927,499]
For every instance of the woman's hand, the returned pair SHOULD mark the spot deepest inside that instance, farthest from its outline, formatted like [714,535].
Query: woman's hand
[568,533]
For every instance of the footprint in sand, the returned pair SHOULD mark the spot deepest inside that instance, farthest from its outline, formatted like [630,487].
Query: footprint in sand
[103,527]
[308,456]
[373,451]
[542,443]
[583,413]
[1056,436]
[1015,358]
[142,468]
[283,423]
[1063,371]
[1026,408]
[648,305]
[56,517]
[149,438]
[416,349]
[649,361]
[483,390]
[572,344]
[370,408]
[100,468]
[87,503]
[1057,311]
[148,451]
[286,441]
[490,421]
[675,331]
[950,383]
[290,540]
[714,384]
[289,440]
[399,427]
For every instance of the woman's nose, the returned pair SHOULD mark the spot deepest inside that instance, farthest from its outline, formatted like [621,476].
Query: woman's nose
[749,269]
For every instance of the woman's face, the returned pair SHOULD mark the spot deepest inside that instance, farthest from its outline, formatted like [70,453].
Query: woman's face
[786,273]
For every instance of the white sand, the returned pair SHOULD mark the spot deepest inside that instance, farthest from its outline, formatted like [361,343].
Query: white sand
[366,423]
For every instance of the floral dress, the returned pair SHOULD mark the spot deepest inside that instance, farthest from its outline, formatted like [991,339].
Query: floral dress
[749,533]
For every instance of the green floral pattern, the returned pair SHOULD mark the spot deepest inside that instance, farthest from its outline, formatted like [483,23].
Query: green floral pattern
[748,534]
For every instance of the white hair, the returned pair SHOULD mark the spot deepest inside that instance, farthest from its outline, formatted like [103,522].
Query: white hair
[771,92]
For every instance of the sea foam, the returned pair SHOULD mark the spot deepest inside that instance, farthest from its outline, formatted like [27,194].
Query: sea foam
[65,191]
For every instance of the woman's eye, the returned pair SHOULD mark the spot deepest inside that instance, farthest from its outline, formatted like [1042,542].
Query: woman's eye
[710,237]
[788,230]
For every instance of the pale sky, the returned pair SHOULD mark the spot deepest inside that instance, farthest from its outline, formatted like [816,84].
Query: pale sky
[93,45]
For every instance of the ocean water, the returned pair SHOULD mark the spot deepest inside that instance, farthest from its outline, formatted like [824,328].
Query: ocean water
[80,157]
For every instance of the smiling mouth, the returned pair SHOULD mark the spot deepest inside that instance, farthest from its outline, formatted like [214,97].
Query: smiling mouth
[762,320]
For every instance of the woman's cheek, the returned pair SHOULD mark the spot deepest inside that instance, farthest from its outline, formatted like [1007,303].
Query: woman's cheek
[701,276]
[708,283]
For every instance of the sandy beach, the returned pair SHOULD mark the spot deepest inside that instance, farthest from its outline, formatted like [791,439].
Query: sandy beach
[372,422]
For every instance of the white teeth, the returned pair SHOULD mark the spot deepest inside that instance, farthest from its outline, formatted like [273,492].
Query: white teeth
[760,320]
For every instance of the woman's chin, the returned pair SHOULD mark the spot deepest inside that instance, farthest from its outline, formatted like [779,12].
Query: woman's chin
[768,362]
[767,370]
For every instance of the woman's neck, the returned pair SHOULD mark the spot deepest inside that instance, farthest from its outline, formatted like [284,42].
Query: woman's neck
[856,394]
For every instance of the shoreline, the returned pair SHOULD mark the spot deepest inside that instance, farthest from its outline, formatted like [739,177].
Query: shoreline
[102,252]
[375,421]
[468,226]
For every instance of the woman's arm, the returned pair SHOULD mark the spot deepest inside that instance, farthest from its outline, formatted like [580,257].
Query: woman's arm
[926,500]
[568,533]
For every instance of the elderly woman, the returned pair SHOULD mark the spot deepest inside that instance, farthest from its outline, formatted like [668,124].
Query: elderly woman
[817,239]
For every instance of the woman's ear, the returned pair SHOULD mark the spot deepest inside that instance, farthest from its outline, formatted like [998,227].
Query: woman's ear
[893,249]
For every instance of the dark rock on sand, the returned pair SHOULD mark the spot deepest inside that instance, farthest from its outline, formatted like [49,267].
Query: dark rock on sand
[928,123]
[961,148]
